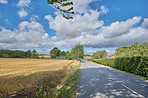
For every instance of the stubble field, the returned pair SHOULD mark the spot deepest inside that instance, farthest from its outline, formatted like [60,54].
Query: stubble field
[19,74]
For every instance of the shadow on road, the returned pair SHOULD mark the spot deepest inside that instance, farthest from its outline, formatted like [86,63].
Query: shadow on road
[101,82]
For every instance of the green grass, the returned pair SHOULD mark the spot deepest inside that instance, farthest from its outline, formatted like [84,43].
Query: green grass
[132,74]
[70,87]
[68,90]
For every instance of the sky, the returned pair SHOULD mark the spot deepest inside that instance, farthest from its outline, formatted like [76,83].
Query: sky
[96,24]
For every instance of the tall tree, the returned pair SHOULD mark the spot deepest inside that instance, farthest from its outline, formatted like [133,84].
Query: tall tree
[63,53]
[100,54]
[29,53]
[68,56]
[34,54]
[55,52]
[77,52]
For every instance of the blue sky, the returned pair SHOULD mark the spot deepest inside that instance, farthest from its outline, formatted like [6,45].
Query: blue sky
[97,25]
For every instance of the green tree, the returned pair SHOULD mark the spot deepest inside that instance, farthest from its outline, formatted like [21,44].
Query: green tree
[15,54]
[77,52]
[99,54]
[68,56]
[62,53]
[132,50]
[29,53]
[34,54]
[60,5]
[55,52]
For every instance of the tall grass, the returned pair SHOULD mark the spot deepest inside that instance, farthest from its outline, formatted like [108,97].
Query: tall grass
[67,89]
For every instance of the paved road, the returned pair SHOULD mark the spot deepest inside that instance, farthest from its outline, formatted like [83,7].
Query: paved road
[101,82]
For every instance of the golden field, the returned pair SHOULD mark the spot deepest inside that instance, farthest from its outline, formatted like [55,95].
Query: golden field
[18,74]
[45,56]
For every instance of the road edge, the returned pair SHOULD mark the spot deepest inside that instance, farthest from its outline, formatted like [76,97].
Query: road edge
[131,74]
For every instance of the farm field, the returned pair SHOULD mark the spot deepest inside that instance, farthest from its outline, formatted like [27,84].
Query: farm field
[45,56]
[19,74]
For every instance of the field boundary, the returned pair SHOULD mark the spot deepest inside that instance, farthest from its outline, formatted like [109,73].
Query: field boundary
[71,85]
[128,73]
[28,75]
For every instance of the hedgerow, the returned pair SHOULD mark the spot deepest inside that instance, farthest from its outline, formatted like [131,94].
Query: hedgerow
[137,65]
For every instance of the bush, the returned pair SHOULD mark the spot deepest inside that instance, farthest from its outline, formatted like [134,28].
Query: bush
[137,65]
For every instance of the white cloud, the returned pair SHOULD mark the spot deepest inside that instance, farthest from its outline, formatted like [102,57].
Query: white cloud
[73,28]
[3,1]
[110,52]
[34,18]
[43,51]
[90,52]
[54,37]
[127,36]
[119,28]
[6,36]
[81,6]
[28,35]
[145,23]
[22,13]
[23,3]
[30,32]
[82,30]
[104,10]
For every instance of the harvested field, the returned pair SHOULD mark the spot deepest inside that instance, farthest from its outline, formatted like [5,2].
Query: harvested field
[45,56]
[18,74]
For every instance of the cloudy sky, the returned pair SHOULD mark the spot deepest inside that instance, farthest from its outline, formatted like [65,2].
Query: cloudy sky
[97,25]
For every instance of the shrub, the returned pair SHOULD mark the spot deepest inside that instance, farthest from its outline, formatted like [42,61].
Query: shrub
[137,65]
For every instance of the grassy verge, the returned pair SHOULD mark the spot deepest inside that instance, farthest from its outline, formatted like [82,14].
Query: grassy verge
[70,87]
[132,74]
[66,89]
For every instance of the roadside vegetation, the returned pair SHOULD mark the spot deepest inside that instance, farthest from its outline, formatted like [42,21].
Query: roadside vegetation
[100,54]
[67,89]
[42,78]
[26,76]
[132,59]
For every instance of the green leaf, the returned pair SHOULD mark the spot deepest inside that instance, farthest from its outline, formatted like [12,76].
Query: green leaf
[67,4]
[62,3]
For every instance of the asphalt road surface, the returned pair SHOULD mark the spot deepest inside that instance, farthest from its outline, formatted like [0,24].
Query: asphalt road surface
[97,81]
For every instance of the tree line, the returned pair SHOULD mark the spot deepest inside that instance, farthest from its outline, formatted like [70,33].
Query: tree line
[76,53]
[132,59]
[132,50]
[99,54]
[18,54]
